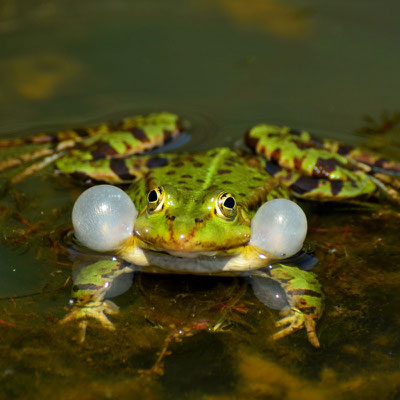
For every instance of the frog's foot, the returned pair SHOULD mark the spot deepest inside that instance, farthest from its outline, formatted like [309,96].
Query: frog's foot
[295,320]
[94,309]
[389,185]
[48,154]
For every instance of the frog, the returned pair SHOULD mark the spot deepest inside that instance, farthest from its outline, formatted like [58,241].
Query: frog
[195,209]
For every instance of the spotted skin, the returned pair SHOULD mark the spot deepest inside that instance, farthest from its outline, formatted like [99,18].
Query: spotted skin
[195,209]
[82,152]
[323,170]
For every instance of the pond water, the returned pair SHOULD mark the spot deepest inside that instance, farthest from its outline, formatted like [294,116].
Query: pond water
[224,65]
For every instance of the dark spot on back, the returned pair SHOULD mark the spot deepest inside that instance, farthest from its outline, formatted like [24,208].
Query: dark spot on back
[224,171]
[323,167]
[198,164]
[178,164]
[103,150]
[200,180]
[157,162]
[213,187]
[187,176]
[242,194]
[119,167]
[304,184]
[139,135]
[336,186]
[172,172]
[227,182]
[272,168]
[188,188]
[257,178]
[228,163]
[182,182]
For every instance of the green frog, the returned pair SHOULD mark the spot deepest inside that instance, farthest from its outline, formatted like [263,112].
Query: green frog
[195,209]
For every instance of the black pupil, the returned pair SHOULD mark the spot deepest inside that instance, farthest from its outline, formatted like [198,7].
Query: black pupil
[152,196]
[229,202]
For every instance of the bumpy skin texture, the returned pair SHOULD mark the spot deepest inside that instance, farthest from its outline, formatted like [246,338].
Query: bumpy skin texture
[185,221]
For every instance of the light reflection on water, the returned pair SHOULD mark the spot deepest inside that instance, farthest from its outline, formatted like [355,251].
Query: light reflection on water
[224,66]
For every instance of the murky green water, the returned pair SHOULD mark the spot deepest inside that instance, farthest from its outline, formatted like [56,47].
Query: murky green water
[223,65]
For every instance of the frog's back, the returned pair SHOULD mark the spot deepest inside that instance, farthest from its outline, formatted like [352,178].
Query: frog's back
[221,169]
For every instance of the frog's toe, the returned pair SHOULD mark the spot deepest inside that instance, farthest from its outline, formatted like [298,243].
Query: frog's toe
[310,324]
[96,310]
[110,307]
[294,321]
[291,322]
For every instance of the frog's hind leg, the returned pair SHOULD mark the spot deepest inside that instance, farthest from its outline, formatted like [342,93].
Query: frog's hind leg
[296,293]
[321,189]
[55,146]
[322,169]
[383,172]
[113,171]
[105,141]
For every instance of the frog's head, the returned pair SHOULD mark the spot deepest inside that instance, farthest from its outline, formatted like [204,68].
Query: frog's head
[183,222]
[186,223]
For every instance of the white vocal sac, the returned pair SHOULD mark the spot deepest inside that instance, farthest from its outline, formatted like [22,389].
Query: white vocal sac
[103,217]
[279,228]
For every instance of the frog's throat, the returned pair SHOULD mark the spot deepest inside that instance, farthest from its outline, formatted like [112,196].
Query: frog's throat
[244,258]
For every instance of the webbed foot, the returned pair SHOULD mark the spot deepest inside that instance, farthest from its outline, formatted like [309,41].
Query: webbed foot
[293,320]
[95,310]
[296,293]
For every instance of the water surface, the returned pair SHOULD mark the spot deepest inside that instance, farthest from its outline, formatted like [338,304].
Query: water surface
[224,66]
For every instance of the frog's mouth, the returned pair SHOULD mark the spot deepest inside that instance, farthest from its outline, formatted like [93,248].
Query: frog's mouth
[190,249]
[191,254]
[185,251]
[243,258]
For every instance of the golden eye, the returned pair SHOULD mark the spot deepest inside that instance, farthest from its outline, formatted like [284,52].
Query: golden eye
[226,206]
[155,199]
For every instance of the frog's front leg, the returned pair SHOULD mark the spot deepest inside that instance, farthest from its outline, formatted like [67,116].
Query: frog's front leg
[93,284]
[299,297]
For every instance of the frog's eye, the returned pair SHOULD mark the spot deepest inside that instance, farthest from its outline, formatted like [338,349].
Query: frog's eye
[226,206]
[155,199]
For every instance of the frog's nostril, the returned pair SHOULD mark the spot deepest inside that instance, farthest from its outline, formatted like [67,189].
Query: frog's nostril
[171,217]
[198,220]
